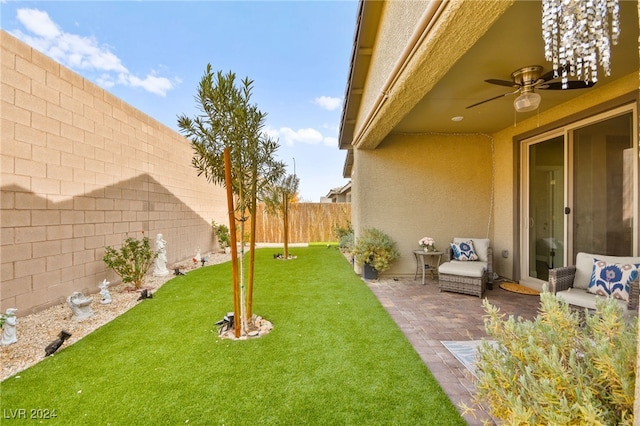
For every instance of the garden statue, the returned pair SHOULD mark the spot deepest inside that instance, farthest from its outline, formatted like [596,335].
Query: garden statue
[104,292]
[80,305]
[55,345]
[161,260]
[9,334]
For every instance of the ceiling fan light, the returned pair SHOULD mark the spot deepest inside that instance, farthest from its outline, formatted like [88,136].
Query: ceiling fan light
[527,101]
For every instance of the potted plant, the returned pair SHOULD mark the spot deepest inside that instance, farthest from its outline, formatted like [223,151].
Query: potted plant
[374,250]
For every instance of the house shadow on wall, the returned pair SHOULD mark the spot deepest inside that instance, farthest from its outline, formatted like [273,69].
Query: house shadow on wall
[52,246]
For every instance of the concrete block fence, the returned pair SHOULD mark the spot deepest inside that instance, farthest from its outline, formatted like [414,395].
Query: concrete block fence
[81,170]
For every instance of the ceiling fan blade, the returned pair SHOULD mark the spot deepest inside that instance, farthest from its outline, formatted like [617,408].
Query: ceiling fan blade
[502,82]
[492,99]
[573,84]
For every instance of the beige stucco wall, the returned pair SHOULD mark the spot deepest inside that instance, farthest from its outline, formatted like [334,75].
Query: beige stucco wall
[81,170]
[415,186]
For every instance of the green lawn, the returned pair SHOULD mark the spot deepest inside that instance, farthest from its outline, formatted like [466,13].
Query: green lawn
[334,357]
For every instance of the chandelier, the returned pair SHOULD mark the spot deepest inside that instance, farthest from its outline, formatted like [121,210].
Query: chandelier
[578,35]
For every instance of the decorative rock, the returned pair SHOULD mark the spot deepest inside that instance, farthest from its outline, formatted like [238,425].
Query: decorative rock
[161,260]
[104,291]
[80,305]
[9,334]
[55,345]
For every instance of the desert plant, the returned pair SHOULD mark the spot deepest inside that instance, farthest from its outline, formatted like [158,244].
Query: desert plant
[222,233]
[375,248]
[277,199]
[132,261]
[564,367]
[344,235]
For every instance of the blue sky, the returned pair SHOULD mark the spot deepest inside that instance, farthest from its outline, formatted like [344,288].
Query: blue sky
[152,55]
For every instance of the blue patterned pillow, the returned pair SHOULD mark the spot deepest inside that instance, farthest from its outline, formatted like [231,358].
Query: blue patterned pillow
[464,251]
[612,279]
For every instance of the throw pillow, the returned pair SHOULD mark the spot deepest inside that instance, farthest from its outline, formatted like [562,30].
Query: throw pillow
[612,279]
[464,251]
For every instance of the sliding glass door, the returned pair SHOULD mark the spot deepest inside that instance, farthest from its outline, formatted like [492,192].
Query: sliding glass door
[578,193]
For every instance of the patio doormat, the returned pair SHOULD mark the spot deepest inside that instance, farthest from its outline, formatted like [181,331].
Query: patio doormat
[464,351]
[518,288]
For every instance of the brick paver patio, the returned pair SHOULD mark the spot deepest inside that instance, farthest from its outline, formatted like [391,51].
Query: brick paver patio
[428,316]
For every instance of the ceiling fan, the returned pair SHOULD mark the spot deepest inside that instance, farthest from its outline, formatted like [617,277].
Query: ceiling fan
[526,80]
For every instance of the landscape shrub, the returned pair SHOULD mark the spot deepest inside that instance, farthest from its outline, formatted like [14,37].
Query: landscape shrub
[564,367]
[132,261]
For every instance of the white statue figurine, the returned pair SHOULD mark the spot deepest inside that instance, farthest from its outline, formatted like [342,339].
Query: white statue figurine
[9,334]
[80,305]
[161,260]
[104,292]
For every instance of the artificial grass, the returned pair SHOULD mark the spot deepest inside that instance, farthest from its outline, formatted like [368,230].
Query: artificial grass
[334,357]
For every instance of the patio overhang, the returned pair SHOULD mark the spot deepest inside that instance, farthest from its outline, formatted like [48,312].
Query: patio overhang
[454,49]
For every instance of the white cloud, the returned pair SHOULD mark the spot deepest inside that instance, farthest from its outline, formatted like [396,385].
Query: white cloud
[309,136]
[83,53]
[328,103]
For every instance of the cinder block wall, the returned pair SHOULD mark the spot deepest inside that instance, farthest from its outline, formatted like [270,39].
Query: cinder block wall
[81,170]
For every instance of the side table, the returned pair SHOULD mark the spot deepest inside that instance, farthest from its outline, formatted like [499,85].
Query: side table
[429,261]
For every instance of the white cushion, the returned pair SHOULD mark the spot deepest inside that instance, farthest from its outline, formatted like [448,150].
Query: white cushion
[579,297]
[463,268]
[480,245]
[584,267]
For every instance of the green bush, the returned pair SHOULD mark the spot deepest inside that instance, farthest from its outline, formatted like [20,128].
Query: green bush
[344,235]
[564,367]
[222,232]
[375,248]
[132,261]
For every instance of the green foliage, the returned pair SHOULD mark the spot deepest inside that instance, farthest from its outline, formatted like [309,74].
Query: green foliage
[375,248]
[132,261]
[558,369]
[278,196]
[222,233]
[316,357]
[344,235]
[228,119]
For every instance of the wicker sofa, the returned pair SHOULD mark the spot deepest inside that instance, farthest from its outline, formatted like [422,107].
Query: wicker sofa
[570,283]
[467,277]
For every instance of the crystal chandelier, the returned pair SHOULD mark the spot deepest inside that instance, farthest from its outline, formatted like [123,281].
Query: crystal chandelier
[578,34]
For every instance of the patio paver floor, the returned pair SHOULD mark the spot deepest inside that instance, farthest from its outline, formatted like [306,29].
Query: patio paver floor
[428,316]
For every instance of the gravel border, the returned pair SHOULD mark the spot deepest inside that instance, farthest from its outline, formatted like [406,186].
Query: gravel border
[37,330]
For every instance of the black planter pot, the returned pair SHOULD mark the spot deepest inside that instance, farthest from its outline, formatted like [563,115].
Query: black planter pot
[369,272]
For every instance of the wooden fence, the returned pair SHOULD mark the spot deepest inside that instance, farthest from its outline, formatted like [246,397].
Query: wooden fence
[308,222]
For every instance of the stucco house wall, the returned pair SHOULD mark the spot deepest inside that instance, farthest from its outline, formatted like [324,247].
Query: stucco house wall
[415,186]
[81,170]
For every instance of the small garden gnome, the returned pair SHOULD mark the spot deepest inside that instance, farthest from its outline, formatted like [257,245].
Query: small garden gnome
[161,260]
[9,335]
[104,292]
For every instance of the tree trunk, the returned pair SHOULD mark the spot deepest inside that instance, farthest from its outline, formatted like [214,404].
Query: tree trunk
[234,243]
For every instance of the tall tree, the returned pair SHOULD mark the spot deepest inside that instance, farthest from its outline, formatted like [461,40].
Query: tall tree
[277,199]
[228,119]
